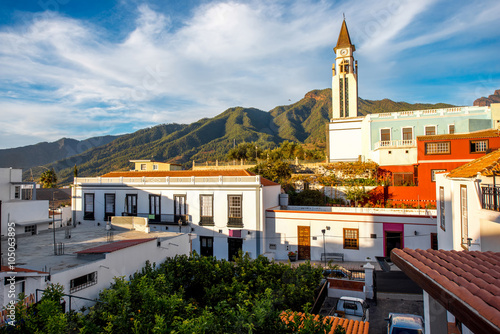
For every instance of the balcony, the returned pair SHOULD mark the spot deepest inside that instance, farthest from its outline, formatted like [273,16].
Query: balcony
[164,219]
[490,197]
[395,144]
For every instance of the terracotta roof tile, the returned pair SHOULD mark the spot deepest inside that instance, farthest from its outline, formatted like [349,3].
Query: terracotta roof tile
[21,270]
[351,326]
[114,246]
[476,134]
[472,277]
[484,165]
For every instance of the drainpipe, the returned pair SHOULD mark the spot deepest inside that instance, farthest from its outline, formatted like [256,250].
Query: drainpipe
[258,226]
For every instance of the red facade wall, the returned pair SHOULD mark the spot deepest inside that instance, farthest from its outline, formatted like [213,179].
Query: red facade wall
[425,192]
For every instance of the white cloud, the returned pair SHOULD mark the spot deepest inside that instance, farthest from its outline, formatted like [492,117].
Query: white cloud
[227,53]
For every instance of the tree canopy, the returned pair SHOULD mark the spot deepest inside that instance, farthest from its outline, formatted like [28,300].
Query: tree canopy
[48,179]
[193,294]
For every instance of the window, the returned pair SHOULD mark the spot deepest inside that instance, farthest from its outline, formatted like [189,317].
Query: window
[180,208]
[433,173]
[30,229]
[434,241]
[155,167]
[385,134]
[131,205]
[442,147]
[351,238]
[430,130]
[403,179]
[17,192]
[154,208]
[441,209]
[344,66]
[407,133]
[143,166]
[109,206]
[88,204]
[235,216]
[463,214]
[82,282]
[207,210]
[451,129]
[478,146]
[206,246]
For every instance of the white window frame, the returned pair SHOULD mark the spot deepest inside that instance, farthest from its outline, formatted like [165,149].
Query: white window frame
[17,192]
[155,167]
[451,125]
[144,167]
[433,173]
[442,221]
[429,126]
[89,203]
[464,218]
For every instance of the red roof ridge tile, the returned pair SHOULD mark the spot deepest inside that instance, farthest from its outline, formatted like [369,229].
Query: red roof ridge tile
[114,246]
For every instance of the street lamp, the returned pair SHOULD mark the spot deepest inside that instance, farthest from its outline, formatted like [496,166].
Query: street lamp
[324,245]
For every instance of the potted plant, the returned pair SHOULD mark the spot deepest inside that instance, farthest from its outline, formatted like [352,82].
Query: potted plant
[292,256]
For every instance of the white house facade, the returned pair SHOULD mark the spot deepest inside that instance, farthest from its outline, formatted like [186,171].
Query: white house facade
[18,207]
[356,233]
[468,206]
[223,211]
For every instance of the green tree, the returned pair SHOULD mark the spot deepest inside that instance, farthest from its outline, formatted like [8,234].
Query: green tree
[277,171]
[48,179]
[356,194]
[308,197]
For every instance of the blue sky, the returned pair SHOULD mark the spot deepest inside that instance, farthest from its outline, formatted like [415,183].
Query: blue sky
[74,68]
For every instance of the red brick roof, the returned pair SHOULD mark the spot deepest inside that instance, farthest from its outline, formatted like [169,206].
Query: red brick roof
[465,283]
[486,165]
[476,134]
[351,326]
[189,173]
[114,246]
[22,270]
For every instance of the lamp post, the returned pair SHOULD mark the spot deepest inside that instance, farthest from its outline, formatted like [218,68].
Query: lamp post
[324,244]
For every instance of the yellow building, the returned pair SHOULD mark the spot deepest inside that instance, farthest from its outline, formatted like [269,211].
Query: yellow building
[151,165]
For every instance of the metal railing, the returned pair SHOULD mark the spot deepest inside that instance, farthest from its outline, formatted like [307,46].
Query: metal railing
[490,197]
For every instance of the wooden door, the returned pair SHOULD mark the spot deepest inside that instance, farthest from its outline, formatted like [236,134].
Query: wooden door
[304,236]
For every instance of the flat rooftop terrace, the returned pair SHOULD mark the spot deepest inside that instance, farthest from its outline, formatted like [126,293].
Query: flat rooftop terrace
[36,252]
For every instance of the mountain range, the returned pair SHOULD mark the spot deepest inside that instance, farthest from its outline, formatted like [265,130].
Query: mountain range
[207,139]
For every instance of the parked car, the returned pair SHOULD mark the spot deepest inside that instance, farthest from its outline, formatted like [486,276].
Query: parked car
[337,272]
[399,323]
[352,308]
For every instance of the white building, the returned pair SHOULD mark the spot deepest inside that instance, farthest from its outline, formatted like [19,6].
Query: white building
[357,233]
[388,138]
[84,261]
[468,206]
[18,204]
[224,211]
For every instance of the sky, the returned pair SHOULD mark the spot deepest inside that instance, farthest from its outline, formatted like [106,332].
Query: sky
[79,69]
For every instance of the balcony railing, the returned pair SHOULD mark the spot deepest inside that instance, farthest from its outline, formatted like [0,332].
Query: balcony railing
[166,219]
[395,143]
[490,197]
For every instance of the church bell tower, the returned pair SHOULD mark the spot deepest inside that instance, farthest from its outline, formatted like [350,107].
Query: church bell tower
[345,78]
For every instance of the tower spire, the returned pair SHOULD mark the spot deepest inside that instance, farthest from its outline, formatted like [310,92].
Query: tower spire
[344,40]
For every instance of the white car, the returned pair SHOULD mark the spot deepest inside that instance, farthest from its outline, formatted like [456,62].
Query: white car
[352,308]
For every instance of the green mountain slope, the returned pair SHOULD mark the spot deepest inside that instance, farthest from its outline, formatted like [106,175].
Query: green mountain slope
[211,138]
[43,153]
